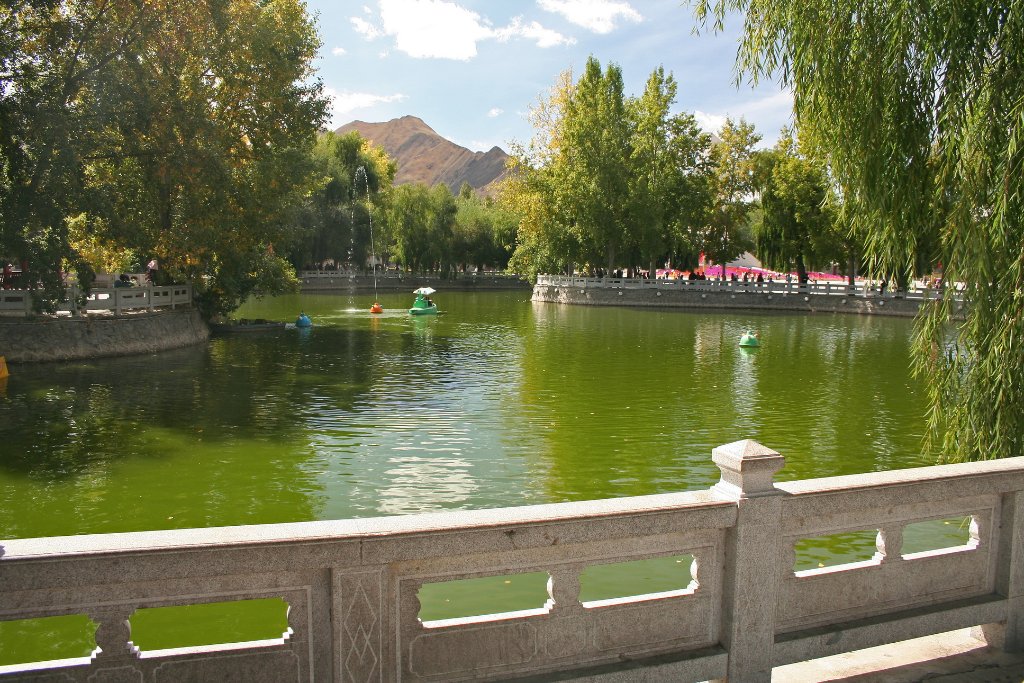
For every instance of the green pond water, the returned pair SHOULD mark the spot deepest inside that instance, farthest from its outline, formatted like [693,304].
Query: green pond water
[496,402]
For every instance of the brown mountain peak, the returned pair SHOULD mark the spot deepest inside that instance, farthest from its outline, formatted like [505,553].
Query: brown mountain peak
[423,156]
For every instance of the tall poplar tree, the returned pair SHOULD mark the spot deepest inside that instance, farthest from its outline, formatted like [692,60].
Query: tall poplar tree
[592,173]
[608,180]
[670,173]
[725,235]
[544,242]
[920,111]
[796,225]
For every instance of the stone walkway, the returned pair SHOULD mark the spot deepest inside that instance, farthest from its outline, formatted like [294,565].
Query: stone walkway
[954,657]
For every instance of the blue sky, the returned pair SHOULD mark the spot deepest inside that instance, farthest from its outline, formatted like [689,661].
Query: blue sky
[472,69]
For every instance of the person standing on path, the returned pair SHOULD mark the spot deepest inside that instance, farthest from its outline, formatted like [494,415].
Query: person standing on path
[151,269]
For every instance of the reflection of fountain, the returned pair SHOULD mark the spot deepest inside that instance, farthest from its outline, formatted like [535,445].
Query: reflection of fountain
[376,308]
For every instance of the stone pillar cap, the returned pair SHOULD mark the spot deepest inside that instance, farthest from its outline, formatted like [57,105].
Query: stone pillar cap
[748,470]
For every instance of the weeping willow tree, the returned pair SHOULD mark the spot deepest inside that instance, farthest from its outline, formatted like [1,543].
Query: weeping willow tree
[920,111]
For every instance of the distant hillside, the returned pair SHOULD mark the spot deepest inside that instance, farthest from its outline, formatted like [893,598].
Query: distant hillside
[423,156]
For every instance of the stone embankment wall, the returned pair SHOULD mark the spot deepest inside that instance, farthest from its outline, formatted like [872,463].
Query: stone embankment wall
[24,340]
[696,299]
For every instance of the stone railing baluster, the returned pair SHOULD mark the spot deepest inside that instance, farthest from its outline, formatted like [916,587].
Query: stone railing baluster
[974,533]
[752,572]
[564,590]
[889,543]
[113,636]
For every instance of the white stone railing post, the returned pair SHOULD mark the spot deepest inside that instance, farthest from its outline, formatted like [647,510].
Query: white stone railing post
[752,552]
[1009,574]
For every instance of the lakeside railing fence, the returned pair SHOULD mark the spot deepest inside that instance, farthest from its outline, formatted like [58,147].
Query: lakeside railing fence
[117,300]
[352,588]
[827,288]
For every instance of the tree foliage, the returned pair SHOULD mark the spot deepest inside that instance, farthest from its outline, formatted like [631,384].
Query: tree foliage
[607,178]
[592,178]
[336,220]
[484,233]
[725,235]
[421,224]
[51,54]
[920,111]
[670,173]
[181,129]
[796,224]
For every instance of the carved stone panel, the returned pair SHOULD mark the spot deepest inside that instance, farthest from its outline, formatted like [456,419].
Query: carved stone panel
[357,621]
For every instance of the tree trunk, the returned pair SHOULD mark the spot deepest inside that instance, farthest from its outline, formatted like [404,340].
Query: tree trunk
[611,257]
[801,269]
[902,281]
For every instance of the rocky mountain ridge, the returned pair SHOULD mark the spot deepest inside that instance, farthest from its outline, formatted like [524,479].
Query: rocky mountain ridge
[424,156]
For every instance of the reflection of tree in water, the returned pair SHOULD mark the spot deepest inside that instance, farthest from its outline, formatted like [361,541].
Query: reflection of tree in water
[633,401]
[608,391]
[197,437]
[840,395]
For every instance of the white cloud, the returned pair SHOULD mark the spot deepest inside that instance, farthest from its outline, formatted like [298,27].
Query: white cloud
[433,28]
[768,113]
[711,123]
[344,102]
[365,28]
[440,29]
[544,37]
[338,51]
[599,16]
[495,112]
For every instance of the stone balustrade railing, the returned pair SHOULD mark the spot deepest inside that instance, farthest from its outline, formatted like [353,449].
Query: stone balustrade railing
[827,288]
[352,586]
[114,299]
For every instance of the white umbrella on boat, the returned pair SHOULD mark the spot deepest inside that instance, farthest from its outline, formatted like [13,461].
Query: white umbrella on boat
[425,291]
